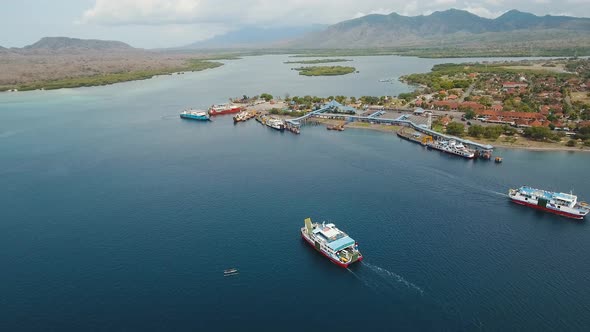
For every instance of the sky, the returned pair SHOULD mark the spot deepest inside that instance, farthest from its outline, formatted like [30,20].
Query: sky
[171,23]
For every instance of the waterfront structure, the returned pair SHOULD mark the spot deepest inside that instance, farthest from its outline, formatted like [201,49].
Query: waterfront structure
[403,120]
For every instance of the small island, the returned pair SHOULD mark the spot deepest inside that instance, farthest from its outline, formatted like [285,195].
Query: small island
[325,70]
[317,61]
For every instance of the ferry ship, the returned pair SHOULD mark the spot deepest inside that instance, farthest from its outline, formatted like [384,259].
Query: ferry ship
[331,242]
[224,109]
[452,147]
[566,205]
[195,115]
[277,124]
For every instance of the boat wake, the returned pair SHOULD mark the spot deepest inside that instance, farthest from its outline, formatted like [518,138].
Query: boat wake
[365,282]
[389,277]
[497,193]
[169,117]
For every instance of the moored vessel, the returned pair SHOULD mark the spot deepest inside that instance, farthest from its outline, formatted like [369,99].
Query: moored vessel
[275,123]
[331,242]
[415,137]
[244,116]
[224,109]
[195,115]
[452,147]
[563,204]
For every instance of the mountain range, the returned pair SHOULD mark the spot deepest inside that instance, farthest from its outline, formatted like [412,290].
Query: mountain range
[251,36]
[450,28]
[60,43]
[69,45]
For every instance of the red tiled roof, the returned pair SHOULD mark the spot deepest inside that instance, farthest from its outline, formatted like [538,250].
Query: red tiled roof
[450,104]
[472,104]
[511,115]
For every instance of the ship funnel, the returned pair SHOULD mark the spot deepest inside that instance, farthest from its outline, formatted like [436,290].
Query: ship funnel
[308,225]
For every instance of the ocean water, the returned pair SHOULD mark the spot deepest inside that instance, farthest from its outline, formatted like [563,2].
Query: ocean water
[117,215]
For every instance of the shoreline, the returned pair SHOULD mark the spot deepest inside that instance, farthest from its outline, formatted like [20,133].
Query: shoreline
[209,62]
[502,145]
[192,65]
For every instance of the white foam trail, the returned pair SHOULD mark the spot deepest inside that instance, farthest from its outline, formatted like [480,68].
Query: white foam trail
[362,280]
[497,193]
[393,276]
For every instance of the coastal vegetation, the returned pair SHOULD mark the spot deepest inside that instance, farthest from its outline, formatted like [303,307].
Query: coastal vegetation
[276,111]
[111,78]
[325,70]
[542,134]
[266,96]
[456,129]
[490,132]
[457,76]
[317,61]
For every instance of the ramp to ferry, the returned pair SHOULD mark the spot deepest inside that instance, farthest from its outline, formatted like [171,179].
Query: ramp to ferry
[403,120]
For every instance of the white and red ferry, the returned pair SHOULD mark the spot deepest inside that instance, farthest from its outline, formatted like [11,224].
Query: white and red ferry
[331,242]
[566,205]
[224,109]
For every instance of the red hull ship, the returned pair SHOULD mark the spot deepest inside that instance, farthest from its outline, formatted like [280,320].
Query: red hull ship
[224,109]
[331,242]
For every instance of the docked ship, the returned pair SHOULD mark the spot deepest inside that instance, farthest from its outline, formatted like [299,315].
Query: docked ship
[275,123]
[244,116]
[415,137]
[331,242]
[224,109]
[566,205]
[452,147]
[195,115]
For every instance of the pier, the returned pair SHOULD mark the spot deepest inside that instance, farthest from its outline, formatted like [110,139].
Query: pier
[374,117]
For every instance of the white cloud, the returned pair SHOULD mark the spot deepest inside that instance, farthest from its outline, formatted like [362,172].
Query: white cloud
[200,19]
[295,12]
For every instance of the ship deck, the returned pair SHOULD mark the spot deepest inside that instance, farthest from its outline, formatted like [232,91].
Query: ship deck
[547,194]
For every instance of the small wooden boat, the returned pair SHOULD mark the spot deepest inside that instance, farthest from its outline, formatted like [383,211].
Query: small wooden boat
[498,160]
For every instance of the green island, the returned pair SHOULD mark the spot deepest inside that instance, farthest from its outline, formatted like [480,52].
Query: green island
[325,70]
[111,78]
[316,61]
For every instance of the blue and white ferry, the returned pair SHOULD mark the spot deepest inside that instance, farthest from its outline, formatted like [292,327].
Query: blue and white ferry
[566,205]
[195,115]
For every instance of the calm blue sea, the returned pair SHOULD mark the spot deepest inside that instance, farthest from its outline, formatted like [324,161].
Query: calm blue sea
[116,215]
